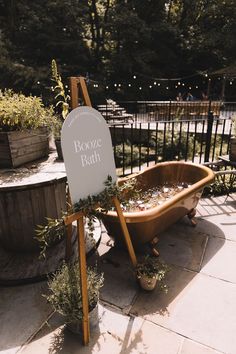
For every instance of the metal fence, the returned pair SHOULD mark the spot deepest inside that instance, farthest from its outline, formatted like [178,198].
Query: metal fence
[140,144]
[149,111]
[147,132]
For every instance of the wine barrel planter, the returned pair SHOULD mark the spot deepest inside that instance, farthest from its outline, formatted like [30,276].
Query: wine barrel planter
[18,148]
[25,201]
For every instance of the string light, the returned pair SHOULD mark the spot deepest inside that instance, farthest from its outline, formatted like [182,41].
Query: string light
[179,83]
[158,84]
[129,85]
[167,87]
[107,87]
[115,85]
[190,88]
[119,85]
[154,83]
[206,75]
[196,87]
[134,76]
[150,86]
[231,83]
[140,88]
[183,84]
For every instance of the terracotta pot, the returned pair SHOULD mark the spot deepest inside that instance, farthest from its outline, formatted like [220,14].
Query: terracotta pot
[146,282]
[76,326]
[232,149]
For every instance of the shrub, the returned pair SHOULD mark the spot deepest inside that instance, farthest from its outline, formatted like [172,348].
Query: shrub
[19,112]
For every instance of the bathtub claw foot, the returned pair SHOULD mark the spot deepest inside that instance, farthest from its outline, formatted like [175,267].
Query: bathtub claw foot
[191,215]
[155,252]
[152,244]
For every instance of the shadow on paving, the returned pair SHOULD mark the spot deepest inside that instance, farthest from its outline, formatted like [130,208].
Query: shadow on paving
[181,246]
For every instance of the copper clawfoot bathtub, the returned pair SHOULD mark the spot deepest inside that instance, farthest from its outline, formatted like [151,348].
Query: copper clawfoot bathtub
[144,226]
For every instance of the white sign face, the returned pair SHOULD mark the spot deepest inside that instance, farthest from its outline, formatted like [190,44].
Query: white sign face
[87,152]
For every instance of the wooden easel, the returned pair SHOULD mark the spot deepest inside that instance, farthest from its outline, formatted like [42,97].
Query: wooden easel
[79,218]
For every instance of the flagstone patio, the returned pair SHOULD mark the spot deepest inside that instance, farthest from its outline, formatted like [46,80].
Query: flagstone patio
[196,316]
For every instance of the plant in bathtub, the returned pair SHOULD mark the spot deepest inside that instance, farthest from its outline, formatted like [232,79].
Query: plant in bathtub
[150,271]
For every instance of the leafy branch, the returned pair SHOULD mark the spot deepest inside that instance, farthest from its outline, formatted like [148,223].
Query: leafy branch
[61,96]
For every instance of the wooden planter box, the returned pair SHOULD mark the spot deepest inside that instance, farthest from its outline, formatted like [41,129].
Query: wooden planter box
[18,148]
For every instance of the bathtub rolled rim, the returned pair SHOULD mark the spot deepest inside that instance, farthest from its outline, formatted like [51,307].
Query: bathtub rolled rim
[150,214]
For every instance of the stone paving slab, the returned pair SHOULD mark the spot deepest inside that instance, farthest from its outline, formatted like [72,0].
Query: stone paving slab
[190,347]
[22,312]
[119,279]
[215,206]
[220,259]
[117,333]
[183,245]
[197,306]
[223,226]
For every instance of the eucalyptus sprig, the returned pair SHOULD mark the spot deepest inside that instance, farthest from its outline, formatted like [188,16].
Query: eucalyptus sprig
[55,229]
[48,234]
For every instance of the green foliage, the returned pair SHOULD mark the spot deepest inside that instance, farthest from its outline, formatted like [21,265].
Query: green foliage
[113,40]
[153,268]
[61,97]
[65,292]
[123,155]
[19,112]
[222,185]
[48,234]
[90,206]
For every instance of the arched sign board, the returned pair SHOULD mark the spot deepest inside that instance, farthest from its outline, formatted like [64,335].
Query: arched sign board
[87,152]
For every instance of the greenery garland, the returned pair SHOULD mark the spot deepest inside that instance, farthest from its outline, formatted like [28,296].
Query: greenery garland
[92,206]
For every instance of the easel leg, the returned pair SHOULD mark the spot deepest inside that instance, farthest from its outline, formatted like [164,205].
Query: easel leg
[125,231]
[68,242]
[83,278]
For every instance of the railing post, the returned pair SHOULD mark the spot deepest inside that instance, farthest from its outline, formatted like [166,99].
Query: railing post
[210,119]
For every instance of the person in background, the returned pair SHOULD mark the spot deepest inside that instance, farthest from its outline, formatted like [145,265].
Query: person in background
[179,97]
[204,96]
[189,97]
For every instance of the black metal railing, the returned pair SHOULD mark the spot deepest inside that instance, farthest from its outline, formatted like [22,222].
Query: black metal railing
[137,145]
[155,131]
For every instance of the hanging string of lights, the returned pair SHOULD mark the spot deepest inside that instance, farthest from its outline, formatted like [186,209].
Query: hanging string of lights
[154,82]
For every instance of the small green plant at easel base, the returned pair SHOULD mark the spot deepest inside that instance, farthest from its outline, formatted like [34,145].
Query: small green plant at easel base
[150,271]
[65,293]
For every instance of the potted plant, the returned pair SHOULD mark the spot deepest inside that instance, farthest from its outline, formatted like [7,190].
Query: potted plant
[232,146]
[149,271]
[65,295]
[24,128]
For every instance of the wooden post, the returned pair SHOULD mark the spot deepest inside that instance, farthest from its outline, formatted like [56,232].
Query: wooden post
[125,231]
[74,92]
[84,92]
[83,278]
